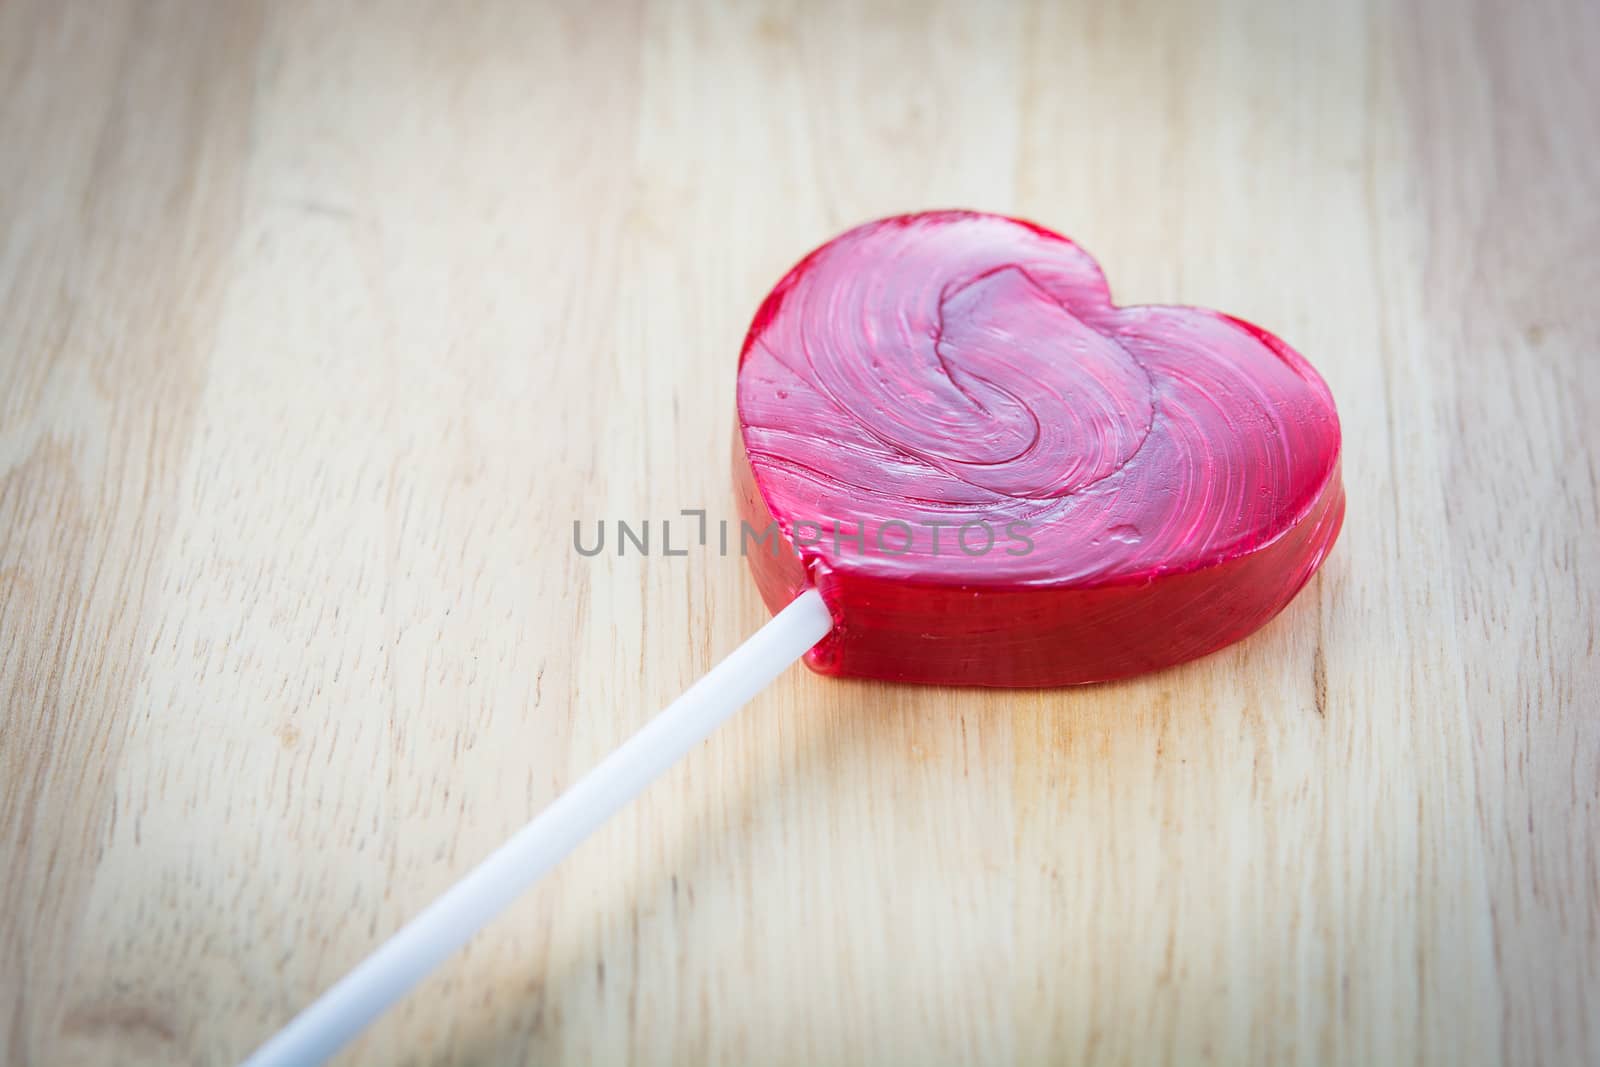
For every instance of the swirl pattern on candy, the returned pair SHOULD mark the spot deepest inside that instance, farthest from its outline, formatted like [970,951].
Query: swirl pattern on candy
[996,476]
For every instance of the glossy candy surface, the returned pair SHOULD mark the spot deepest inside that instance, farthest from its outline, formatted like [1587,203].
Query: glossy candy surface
[995,476]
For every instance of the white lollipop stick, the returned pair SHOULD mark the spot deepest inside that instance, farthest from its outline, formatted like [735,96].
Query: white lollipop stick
[445,925]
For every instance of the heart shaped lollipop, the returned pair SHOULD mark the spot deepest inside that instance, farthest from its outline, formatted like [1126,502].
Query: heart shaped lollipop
[970,467]
[996,476]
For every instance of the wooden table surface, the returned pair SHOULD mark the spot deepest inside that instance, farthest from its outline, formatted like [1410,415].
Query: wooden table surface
[319,328]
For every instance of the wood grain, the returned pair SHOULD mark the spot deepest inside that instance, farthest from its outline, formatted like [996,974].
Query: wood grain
[319,327]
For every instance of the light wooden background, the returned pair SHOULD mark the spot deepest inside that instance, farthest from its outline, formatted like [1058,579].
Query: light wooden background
[321,323]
